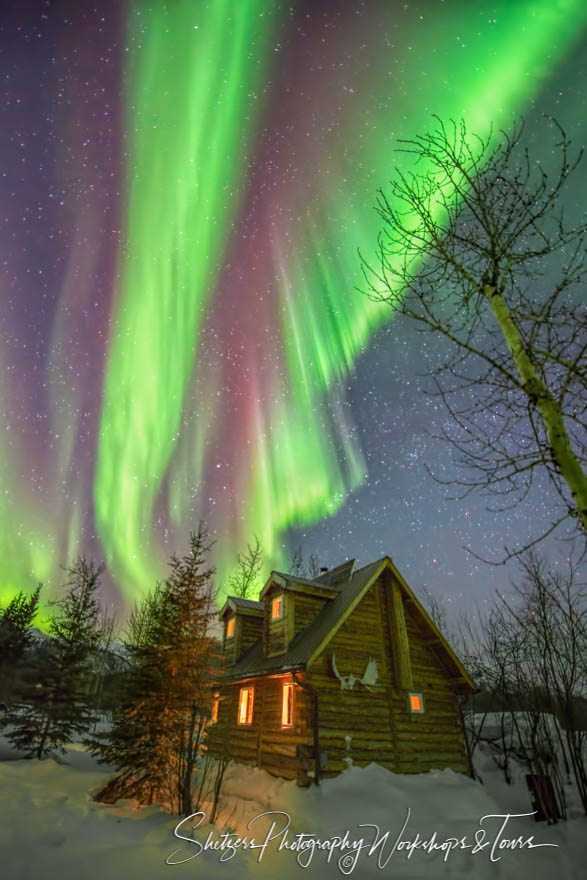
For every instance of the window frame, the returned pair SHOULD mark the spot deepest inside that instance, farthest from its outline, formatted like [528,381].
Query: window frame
[281,600]
[287,704]
[250,701]
[418,697]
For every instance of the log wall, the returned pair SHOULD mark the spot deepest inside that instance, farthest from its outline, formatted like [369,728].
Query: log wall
[435,738]
[229,644]
[380,723]
[364,715]
[247,629]
[276,632]
[251,629]
[305,610]
[264,742]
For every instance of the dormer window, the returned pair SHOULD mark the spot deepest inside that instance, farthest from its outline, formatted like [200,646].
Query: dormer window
[230,628]
[277,608]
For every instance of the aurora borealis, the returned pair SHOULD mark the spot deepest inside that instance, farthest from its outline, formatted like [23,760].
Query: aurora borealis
[185,188]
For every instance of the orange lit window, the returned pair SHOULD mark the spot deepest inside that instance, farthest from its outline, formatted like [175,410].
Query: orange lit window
[287,706]
[277,607]
[214,716]
[230,628]
[416,703]
[245,705]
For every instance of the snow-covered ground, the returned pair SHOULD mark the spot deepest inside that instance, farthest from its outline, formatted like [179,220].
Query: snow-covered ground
[50,828]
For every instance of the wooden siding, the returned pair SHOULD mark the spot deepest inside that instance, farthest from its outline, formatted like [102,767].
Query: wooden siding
[251,630]
[399,636]
[362,714]
[229,646]
[380,724]
[434,738]
[247,629]
[305,610]
[264,742]
[276,632]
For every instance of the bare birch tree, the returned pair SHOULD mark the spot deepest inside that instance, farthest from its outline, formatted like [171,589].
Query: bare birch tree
[245,582]
[475,247]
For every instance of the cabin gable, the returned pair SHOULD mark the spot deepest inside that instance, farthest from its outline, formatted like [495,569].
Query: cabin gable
[409,720]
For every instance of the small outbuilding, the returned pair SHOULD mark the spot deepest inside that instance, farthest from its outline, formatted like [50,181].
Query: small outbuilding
[347,668]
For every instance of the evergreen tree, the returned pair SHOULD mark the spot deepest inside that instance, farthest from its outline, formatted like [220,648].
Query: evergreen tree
[15,637]
[52,704]
[157,732]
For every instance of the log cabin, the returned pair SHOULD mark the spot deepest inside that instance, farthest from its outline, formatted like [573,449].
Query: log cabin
[347,668]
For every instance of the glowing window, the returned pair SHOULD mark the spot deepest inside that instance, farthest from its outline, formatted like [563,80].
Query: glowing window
[416,703]
[230,628]
[245,705]
[287,706]
[214,716]
[277,607]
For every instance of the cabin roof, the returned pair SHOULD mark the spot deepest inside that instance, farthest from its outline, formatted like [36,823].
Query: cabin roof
[329,581]
[234,603]
[333,578]
[338,575]
[307,641]
[289,582]
[308,644]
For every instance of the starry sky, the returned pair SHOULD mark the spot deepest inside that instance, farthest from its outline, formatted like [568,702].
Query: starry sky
[185,187]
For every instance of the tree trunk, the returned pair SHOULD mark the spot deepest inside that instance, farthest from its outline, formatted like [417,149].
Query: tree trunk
[539,394]
[188,766]
[44,736]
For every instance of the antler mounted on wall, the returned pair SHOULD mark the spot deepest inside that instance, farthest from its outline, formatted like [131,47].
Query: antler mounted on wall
[368,679]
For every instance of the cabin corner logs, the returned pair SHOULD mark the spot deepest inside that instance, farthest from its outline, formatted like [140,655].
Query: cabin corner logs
[357,724]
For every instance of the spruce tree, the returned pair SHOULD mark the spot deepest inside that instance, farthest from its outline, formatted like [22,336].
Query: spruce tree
[157,732]
[53,705]
[133,742]
[15,638]
[191,654]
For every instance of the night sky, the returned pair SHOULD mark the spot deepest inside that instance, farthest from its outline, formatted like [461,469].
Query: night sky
[184,189]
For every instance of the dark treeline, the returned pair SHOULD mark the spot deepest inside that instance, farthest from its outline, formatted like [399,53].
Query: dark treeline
[138,699]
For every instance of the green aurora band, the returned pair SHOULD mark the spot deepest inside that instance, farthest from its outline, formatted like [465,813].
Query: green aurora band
[27,541]
[194,73]
[191,124]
